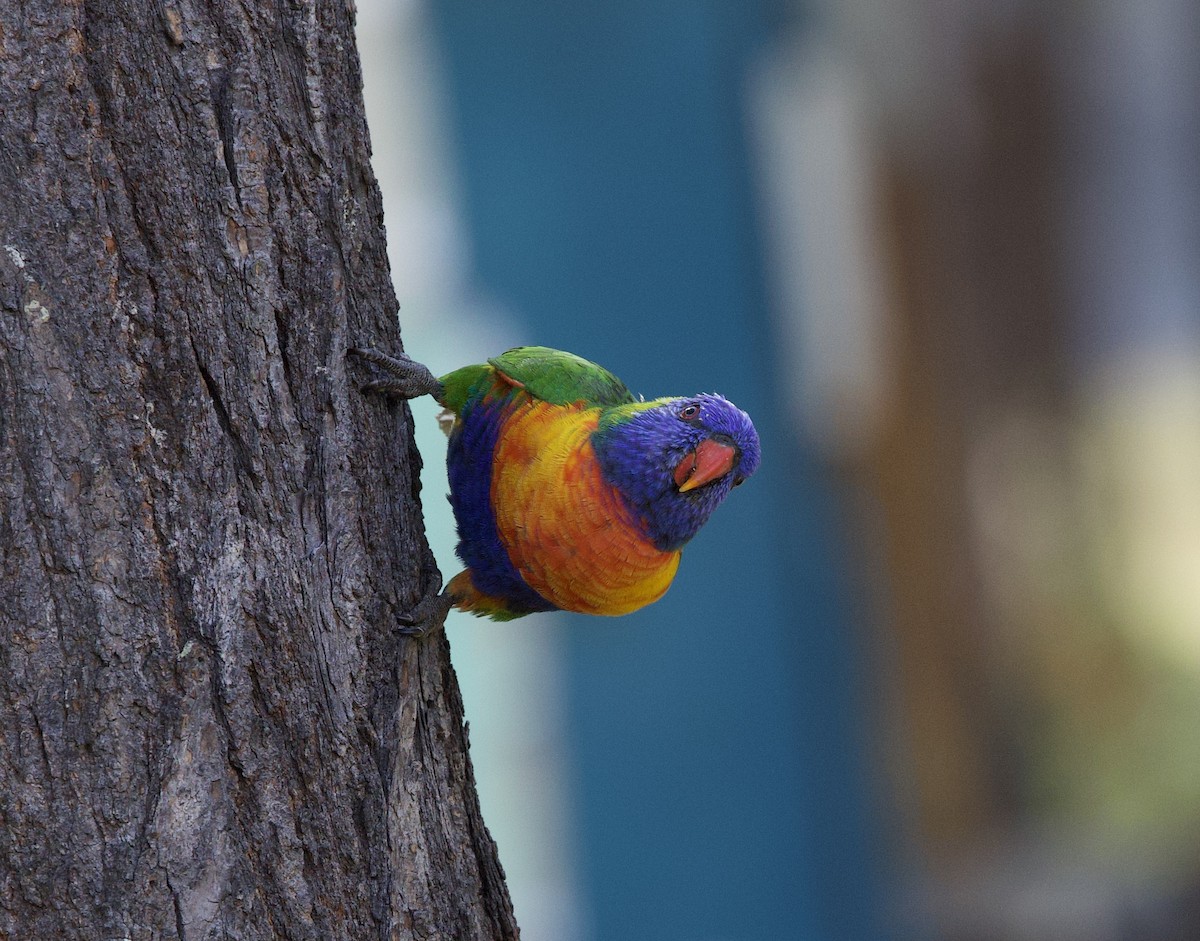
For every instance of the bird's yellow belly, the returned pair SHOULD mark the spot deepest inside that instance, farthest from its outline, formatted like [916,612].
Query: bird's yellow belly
[567,532]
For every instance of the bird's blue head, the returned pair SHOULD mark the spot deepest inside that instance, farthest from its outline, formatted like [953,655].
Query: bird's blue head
[675,460]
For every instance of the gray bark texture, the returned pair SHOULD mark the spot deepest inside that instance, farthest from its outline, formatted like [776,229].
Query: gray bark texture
[208,725]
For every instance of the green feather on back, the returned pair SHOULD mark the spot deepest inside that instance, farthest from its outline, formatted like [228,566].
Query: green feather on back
[549,375]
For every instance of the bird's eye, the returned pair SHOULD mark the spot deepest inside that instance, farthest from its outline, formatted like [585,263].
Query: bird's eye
[689,412]
[738,481]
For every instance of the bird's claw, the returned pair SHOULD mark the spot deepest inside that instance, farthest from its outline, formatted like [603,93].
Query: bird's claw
[428,617]
[405,379]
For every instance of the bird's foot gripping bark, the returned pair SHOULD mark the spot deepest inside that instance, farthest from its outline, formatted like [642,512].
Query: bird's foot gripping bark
[428,617]
[405,378]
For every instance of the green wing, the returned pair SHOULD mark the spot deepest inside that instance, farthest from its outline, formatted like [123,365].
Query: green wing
[550,375]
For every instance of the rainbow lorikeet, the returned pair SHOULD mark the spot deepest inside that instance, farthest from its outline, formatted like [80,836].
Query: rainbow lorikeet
[568,492]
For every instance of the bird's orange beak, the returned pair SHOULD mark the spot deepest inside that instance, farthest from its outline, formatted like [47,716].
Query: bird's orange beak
[710,460]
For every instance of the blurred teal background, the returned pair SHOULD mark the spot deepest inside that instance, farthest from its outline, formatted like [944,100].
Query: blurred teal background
[935,673]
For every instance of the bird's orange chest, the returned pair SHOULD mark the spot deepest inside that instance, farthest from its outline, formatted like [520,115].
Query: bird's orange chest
[566,529]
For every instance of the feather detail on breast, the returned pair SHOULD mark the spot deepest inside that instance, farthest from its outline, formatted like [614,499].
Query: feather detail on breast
[567,531]
[470,463]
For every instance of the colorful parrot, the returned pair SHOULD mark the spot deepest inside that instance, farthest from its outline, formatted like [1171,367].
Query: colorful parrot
[568,492]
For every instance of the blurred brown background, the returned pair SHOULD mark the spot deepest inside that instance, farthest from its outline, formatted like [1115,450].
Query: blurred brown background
[1033,450]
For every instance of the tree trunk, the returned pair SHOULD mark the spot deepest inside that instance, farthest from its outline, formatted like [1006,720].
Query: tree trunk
[208,727]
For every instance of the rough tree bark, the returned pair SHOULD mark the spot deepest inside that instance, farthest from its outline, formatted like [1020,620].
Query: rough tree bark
[208,727]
